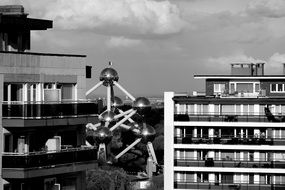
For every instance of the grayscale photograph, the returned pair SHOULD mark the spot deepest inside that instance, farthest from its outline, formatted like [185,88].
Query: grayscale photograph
[142,94]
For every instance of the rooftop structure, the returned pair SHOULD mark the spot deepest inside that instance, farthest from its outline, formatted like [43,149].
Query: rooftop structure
[16,27]
[233,137]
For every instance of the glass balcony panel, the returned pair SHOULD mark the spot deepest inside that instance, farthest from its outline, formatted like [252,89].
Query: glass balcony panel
[39,159]
[49,109]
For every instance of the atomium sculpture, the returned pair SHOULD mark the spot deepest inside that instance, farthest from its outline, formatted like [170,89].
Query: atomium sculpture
[109,120]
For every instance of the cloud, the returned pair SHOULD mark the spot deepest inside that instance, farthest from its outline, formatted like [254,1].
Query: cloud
[115,42]
[267,8]
[224,61]
[136,17]
[273,65]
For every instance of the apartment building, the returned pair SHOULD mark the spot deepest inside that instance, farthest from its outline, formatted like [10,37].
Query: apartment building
[232,137]
[43,111]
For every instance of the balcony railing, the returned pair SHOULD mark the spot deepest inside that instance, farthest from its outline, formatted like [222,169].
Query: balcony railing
[228,139]
[224,117]
[210,162]
[227,186]
[49,109]
[41,159]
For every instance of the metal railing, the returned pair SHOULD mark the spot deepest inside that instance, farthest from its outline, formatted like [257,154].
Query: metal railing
[223,117]
[44,158]
[229,139]
[228,162]
[227,185]
[39,110]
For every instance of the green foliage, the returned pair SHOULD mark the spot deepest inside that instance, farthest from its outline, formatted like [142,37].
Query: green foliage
[107,178]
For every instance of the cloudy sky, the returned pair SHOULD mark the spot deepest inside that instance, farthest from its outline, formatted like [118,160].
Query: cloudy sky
[158,45]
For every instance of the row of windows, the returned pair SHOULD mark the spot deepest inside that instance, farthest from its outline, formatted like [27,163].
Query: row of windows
[229,178]
[30,92]
[238,87]
[228,155]
[277,88]
[247,87]
[276,133]
[219,109]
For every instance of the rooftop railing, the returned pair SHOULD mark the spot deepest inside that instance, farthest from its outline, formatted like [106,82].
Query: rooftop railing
[224,117]
[228,162]
[227,185]
[43,158]
[228,139]
[32,110]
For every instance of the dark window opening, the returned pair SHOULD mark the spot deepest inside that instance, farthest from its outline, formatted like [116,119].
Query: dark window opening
[88,72]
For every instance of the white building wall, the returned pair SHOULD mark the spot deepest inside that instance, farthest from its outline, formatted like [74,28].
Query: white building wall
[168,141]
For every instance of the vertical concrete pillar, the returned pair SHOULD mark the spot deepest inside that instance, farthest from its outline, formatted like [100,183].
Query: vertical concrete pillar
[1,130]
[25,92]
[169,140]
[38,92]
[195,132]
[256,156]
[31,93]
[256,178]
[211,132]
[9,93]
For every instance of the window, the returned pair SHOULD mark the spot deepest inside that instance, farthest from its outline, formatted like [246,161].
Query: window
[190,108]
[245,87]
[219,88]
[277,88]
[88,70]
[67,91]
[227,178]
[16,92]
[280,179]
[232,88]
[257,87]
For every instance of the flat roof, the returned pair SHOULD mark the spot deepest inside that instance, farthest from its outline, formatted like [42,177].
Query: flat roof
[42,54]
[268,77]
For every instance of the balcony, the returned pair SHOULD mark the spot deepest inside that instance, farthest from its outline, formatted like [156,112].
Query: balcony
[47,113]
[228,139]
[195,162]
[43,163]
[228,186]
[221,117]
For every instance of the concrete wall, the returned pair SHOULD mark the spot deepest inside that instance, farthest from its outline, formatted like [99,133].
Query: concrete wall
[29,67]
[265,85]
[210,86]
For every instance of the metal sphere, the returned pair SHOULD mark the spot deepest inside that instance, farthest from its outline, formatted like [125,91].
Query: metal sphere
[107,116]
[108,75]
[142,105]
[147,133]
[117,102]
[103,135]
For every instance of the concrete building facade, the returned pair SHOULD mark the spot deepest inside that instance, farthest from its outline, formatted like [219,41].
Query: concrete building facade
[43,111]
[233,137]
